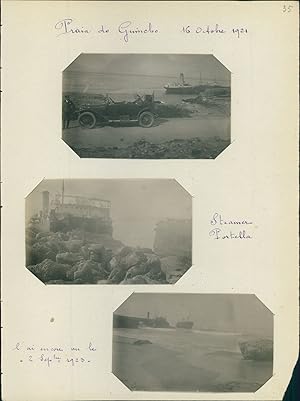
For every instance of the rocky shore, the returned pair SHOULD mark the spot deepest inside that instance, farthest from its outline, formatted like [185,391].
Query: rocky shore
[78,257]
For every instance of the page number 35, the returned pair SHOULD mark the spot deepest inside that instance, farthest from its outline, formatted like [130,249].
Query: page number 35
[287,9]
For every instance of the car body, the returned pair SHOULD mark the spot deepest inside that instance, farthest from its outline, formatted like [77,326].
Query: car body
[141,110]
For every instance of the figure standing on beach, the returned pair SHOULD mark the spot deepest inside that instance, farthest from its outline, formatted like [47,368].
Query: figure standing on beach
[68,110]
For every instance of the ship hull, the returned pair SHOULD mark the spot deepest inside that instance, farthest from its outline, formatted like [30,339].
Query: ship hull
[94,225]
[185,325]
[191,90]
[180,90]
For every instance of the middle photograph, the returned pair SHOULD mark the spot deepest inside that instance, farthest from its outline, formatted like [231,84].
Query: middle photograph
[109,231]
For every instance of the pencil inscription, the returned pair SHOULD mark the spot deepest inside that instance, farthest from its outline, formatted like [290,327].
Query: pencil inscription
[66,26]
[231,228]
[134,29]
[214,30]
[54,355]
[126,30]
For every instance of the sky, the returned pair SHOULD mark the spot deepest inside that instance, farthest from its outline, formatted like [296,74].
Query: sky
[136,205]
[235,313]
[113,72]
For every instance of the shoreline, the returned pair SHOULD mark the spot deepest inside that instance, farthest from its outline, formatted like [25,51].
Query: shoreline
[199,367]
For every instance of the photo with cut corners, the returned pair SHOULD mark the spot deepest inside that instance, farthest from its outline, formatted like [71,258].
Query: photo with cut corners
[192,342]
[109,231]
[146,106]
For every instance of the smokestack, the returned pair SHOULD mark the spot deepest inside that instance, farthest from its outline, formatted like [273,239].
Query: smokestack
[148,315]
[46,202]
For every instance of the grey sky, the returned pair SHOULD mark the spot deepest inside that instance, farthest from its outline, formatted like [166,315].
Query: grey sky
[156,64]
[136,205]
[228,312]
[150,69]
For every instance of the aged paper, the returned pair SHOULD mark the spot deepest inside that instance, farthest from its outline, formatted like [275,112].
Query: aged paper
[64,342]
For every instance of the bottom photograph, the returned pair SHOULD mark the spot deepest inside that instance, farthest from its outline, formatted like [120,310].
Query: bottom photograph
[193,342]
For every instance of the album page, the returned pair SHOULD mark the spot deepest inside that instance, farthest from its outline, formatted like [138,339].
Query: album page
[149,200]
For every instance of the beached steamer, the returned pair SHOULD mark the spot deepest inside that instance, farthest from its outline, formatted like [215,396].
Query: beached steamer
[69,212]
[185,324]
[180,88]
[130,322]
[206,89]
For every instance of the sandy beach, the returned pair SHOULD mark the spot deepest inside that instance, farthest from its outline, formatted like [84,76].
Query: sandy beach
[185,360]
[204,137]
[163,131]
[203,130]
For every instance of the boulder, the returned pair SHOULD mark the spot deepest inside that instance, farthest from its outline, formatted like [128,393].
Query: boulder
[144,250]
[107,257]
[105,240]
[138,270]
[96,252]
[113,263]
[173,267]
[126,250]
[170,263]
[156,277]
[59,282]
[40,252]
[42,235]
[30,236]
[76,234]
[72,270]
[141,342]
[135,280]
[129,260]
[49,270]
[154,281]
[257,350]
[89,272]
[84,251]
[68,258]
[55,244]
[116,276]
[153,263]
[97,248]
[125,259]
[73,245]
[235,386]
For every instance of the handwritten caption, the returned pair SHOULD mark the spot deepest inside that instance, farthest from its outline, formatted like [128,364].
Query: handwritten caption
[230,229]
[54,356]
[128,29]
[216,30]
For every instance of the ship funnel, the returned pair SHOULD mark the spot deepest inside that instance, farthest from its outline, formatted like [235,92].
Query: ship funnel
[46,201]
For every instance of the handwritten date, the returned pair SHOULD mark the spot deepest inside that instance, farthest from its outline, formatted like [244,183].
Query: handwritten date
[214,30]
[51,356]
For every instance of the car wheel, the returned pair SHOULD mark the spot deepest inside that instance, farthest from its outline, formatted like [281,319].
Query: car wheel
[146,119]
[87,119]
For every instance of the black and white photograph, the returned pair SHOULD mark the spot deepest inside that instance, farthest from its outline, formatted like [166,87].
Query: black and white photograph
[146,106]
[109,231]
[192,342]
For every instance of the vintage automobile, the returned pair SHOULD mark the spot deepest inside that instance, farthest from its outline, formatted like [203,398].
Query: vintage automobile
[141,110]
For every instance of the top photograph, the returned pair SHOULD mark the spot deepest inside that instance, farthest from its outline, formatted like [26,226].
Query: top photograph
[146,106]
